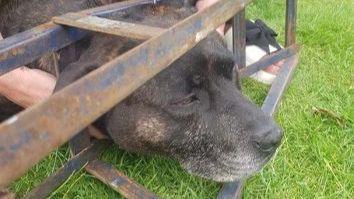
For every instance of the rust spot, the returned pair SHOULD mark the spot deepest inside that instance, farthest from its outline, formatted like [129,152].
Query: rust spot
[5,194]
[17,51]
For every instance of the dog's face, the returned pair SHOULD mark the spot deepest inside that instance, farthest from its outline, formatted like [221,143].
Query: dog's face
[193,113]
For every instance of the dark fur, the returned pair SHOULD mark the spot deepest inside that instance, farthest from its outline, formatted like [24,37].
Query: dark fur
[191,111]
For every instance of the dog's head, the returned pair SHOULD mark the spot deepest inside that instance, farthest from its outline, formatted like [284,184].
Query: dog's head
[193,112]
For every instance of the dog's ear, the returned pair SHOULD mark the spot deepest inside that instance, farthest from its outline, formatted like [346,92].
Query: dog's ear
[190,3]
[73,72]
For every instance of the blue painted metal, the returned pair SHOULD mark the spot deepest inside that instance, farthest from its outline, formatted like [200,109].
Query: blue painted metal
[28,46]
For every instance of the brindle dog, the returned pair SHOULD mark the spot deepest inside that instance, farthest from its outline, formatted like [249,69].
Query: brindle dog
[191,111]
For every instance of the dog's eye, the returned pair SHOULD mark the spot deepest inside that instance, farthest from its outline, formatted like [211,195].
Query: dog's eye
[197,80]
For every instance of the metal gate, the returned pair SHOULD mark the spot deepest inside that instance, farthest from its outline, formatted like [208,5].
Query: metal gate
[29,136]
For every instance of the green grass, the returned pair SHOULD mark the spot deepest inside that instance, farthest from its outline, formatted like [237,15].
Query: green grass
[316,157]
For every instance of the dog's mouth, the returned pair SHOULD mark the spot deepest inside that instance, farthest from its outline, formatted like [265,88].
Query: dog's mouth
[228,173]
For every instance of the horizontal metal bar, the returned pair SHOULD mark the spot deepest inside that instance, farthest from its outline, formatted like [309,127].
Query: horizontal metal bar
[25,47]
[118,181]
[279,85]
[98,24]
[74,164]
[269,60]
[29,136]
[106,10]
[28,46]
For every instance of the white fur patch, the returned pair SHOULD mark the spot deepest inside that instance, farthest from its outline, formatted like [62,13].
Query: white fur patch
[151,129]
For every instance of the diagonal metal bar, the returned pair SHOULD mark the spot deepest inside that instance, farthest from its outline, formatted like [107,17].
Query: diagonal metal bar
[29,136]
[28,46]
[98,24]
[118,181]
[268,60]
[233,190]
[74,164]
[279,85]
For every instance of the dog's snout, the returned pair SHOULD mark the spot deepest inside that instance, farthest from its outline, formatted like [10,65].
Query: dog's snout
[267,141]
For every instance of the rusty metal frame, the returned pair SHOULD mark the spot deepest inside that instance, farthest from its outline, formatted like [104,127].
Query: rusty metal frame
[103,25]
[29,45]
[49,124]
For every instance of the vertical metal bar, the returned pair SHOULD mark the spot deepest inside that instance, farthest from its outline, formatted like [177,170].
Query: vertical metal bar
[239,35]
[290,24]
[234,189]
[239,43]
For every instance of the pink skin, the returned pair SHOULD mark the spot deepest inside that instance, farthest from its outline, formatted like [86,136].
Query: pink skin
[202,4]
[274,68]
[27,87]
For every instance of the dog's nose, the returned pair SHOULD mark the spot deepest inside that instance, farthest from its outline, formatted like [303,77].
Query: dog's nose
[267,141]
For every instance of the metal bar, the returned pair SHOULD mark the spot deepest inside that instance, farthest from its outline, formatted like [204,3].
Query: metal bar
[239,44]
[239,38]
[98,24]
[290,24]
[239,50]
[106,10]
[28,46]
[268,60]
[279,85]
[73,165]
[29,136]
[233,190]
[118,181]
